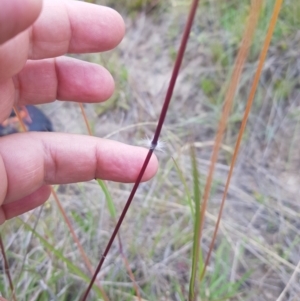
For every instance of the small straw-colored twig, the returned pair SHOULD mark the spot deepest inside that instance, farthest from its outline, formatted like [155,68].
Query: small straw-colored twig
[76,240]
[7,270]
[85,119]
[29,243]
[67,221]
[269,256]
[238,67]
[127,266]
[262,58]
[24,129]
[296,271]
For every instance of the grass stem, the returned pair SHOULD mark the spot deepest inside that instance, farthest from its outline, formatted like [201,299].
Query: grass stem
[154,141]
[229,97]
[262,58]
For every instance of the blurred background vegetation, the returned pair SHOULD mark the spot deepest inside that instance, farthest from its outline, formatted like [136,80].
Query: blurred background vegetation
[257,253]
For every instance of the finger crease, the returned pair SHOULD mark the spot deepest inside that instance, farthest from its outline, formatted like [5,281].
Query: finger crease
[50,166]
[71,30]
[18,89]
[56,68]
[96,163]
[31,42]
[5,176]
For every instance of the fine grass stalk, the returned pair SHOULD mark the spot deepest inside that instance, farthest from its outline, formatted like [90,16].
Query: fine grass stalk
[72,267]
[186,189]
[229,97]
[196,244]
[264,51]
[154,141]
[112,211]
[113,214]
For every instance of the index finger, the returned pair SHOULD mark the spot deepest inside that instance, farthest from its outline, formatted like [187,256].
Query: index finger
[55,158]
[63,27]
[74,27]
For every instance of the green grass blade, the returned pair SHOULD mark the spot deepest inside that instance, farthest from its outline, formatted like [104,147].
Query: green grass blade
[73,268]
[109,201]
[230,289]
[197,196]
[186,189]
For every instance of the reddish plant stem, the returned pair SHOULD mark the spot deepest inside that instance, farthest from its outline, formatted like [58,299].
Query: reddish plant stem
[161,120]
[177,65]
[135,285]
[118,225]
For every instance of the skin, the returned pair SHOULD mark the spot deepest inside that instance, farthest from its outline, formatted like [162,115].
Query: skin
[33,37]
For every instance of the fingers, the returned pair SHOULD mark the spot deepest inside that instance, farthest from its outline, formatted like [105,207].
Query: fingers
[7,98]
[62,27]
[50,79]
[76,27]
[16,16]
[62,78]
[25,204]
[13,55]
[51,158]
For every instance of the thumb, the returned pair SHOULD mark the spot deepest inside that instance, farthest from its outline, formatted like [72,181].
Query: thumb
[16,16]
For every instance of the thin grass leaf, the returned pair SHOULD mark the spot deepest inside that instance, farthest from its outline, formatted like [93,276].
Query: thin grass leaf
[186,189]
[109,201]
[72,268]
[221,256]
[76,240]
[233,287]
[7,269]
[28,244]
[195,254]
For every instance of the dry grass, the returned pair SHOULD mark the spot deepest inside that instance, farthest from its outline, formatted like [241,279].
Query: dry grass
[260,230]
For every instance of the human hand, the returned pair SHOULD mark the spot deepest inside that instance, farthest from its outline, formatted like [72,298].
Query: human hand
[32,71]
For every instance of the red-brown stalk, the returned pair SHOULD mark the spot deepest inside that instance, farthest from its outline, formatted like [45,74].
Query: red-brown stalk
[154,141]
[125,261]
